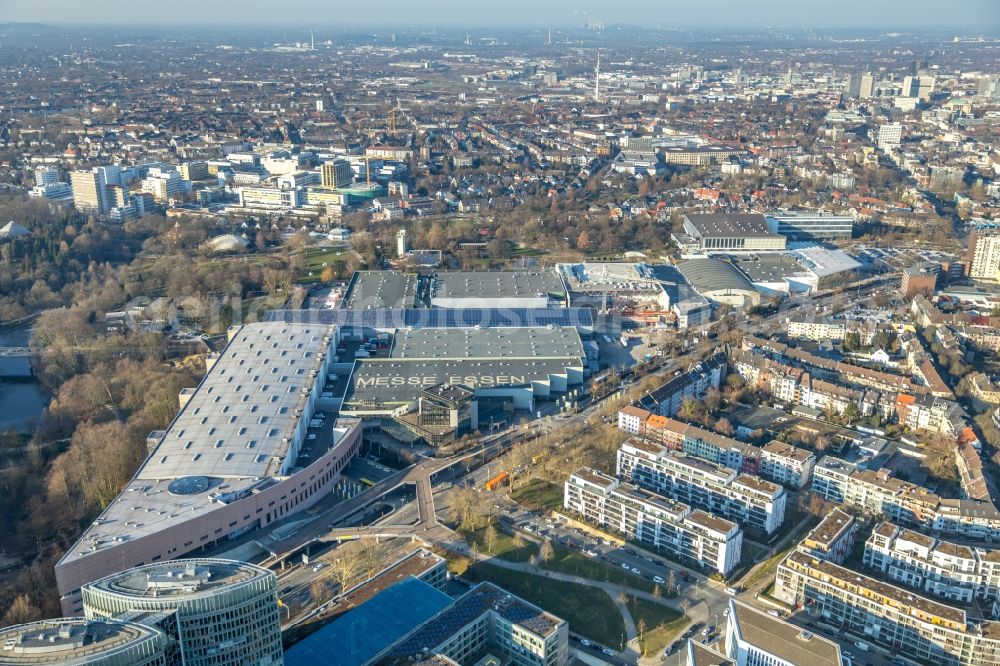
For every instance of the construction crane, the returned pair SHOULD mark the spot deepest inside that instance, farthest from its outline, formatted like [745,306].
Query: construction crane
[392,121]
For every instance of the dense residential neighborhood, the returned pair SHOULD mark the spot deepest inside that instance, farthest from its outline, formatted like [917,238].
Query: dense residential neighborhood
[605,342]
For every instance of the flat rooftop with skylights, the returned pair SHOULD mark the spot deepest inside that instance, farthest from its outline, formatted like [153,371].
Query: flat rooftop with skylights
[230,460]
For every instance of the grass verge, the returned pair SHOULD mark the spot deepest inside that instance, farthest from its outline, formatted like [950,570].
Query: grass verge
[658,625]
[539,495]
[505,547]
[589,611]
[568,561]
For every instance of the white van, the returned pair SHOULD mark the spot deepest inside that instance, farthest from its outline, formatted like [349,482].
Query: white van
[732,591]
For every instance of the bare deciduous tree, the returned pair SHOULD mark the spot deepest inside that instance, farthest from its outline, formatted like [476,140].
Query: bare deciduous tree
[546,552]
[490,538]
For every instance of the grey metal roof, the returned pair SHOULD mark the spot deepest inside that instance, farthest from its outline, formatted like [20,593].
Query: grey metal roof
[729,225]
[233,436]
[488,343]
[707,275]
[495,284]
[381,289]
[393,318]
[242,415]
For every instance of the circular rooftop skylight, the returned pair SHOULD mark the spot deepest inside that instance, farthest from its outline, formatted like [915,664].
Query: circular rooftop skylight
[188,485]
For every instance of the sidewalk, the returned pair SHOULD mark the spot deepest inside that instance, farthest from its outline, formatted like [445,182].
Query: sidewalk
[695,609]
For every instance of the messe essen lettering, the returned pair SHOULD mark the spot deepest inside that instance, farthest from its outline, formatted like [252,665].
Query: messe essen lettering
[432,380]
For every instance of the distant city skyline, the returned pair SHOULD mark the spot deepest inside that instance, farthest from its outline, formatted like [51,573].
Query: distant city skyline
[900,14]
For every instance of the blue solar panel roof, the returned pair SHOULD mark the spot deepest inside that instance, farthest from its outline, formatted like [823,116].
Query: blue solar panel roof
[363,632]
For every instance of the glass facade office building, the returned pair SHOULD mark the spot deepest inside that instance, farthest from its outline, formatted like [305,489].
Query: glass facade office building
[226,612]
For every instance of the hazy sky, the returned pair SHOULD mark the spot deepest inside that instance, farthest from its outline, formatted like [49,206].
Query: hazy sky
[750,13]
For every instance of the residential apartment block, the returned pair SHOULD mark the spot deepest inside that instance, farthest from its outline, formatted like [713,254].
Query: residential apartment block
[827,369]
[926,412]
[785,464]
[690,439]
[878,494]
[817,328]
[984,254]
[750,501]
[887,615]
[833,538]
[681,533]
[667,399]
[941,568]
[794,385]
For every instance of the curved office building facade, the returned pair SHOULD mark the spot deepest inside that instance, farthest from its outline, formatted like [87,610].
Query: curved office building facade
[226,612]
[79,642]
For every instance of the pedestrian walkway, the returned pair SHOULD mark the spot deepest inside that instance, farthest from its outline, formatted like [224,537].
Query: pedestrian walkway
[695,610]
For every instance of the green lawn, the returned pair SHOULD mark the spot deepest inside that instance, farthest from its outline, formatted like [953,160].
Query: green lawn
[572,562]
[315,257]
[314,260]
[506,546]
[589,611]
[528,252]
[539,495]
[662,624]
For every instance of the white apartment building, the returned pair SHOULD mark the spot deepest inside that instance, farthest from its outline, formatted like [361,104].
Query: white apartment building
[932,414]
[896,618]
[297,179]
[269,198]
[46,175]
[631,419]
[984,251]
[164,185]
[890,135]
[816,328]
[689,536]
[89,191]
[55,191]
[944,569]
[785,464]
[832,539]
[878,494]
[724,492]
